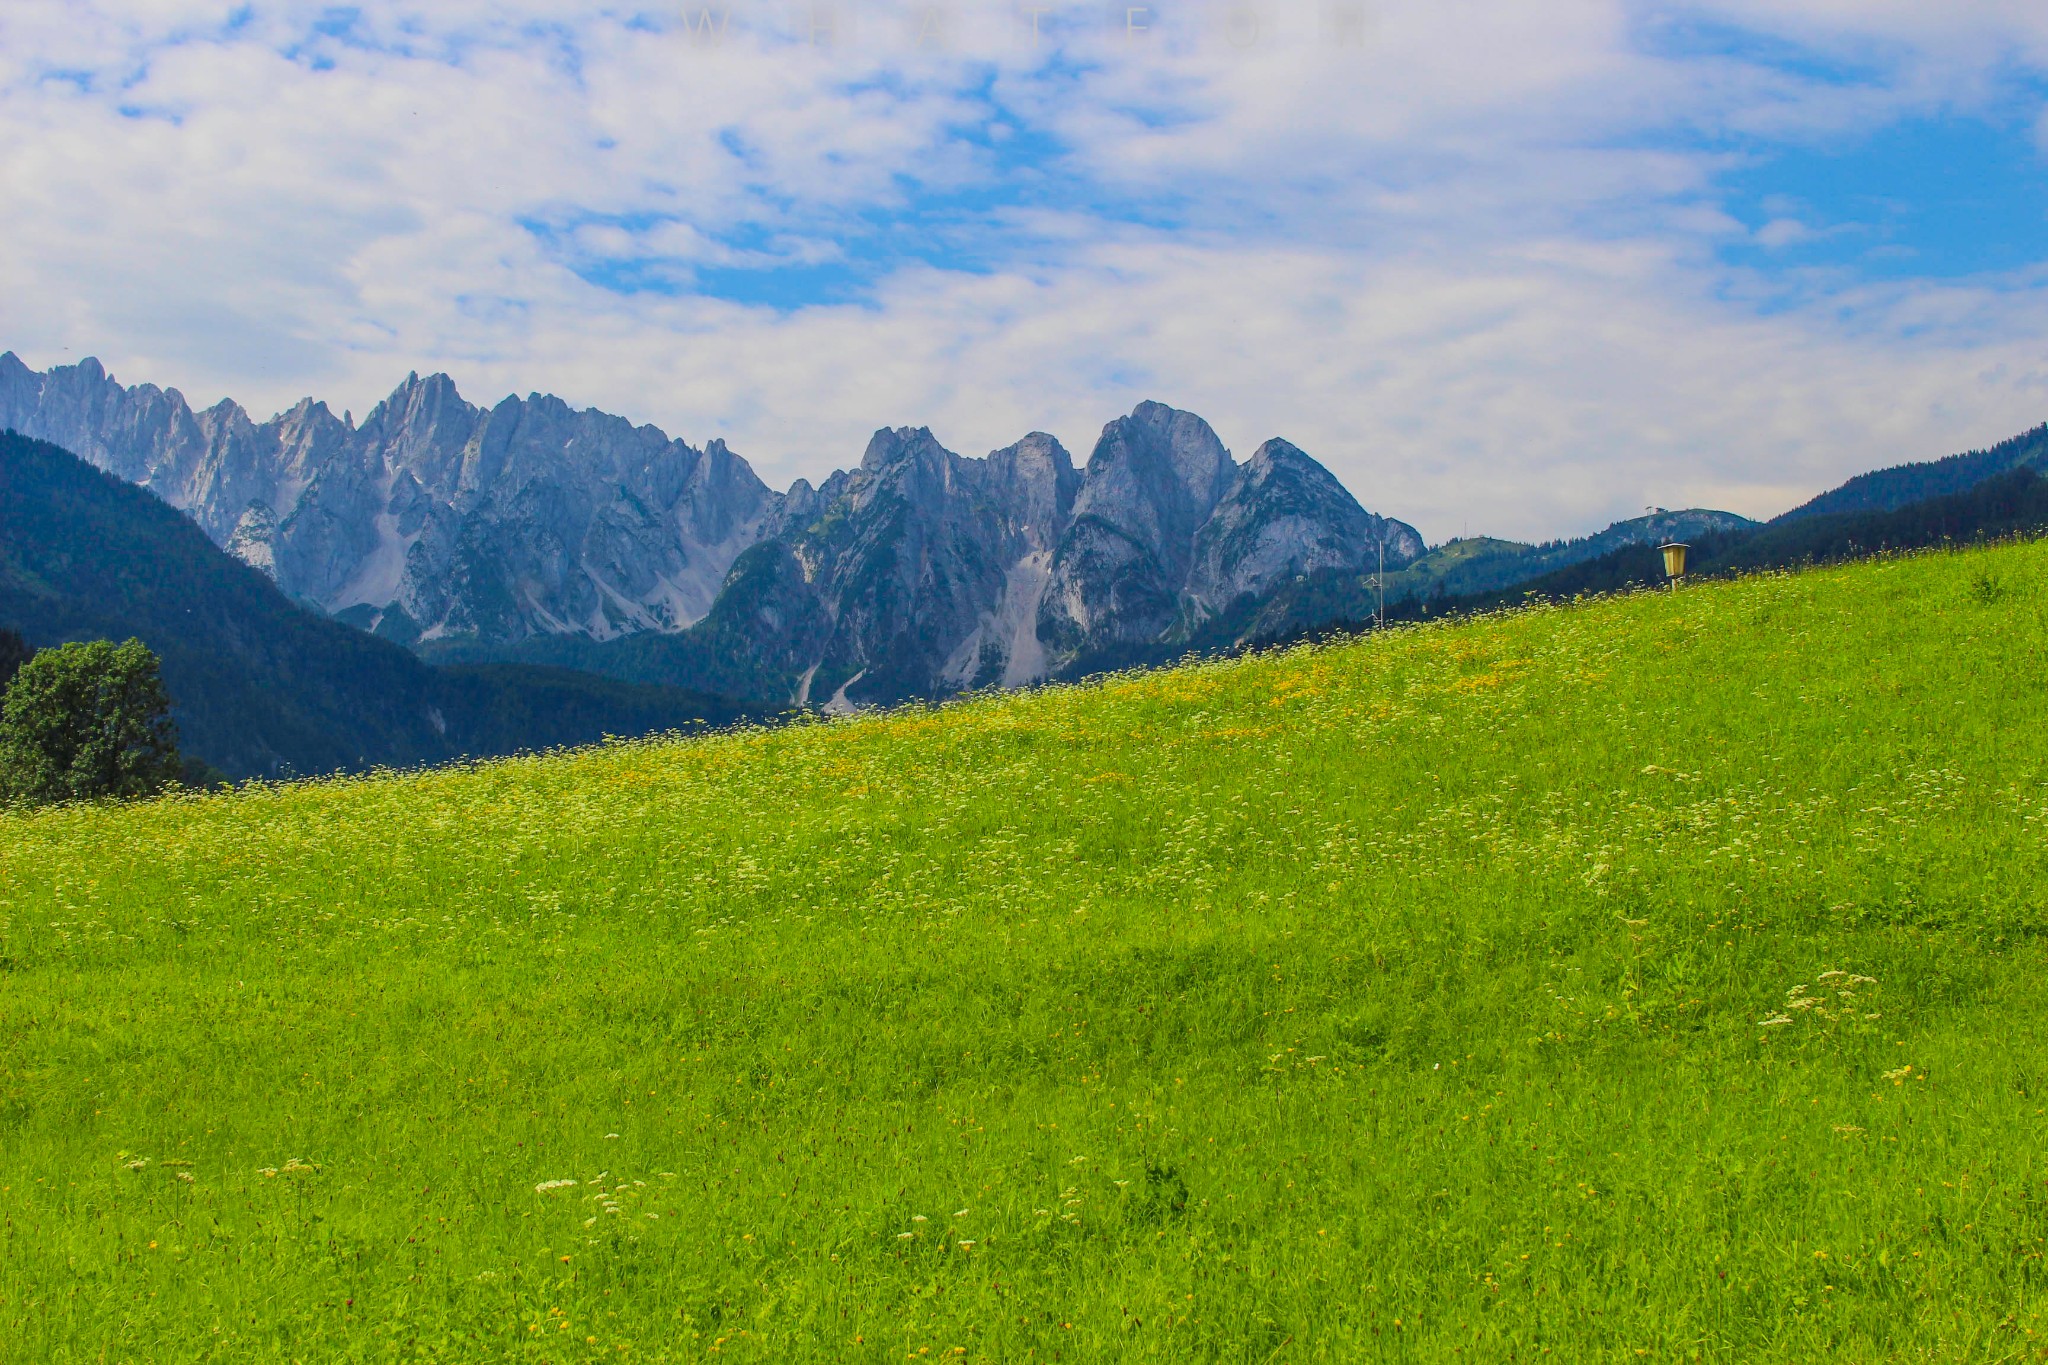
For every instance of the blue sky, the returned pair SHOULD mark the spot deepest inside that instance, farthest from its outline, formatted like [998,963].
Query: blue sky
[1936,196]
[1522,269]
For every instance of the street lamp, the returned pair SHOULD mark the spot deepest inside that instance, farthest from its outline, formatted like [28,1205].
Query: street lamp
[1674,560]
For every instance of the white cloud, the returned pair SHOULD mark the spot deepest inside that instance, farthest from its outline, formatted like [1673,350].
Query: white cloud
[1455,263]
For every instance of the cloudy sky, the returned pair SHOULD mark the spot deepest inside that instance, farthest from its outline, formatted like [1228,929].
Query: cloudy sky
[1507,267]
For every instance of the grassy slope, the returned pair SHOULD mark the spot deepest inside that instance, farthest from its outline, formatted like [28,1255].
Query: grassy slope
[1380,1001]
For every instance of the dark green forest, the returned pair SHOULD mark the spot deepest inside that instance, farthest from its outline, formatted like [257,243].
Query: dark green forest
[1886,490]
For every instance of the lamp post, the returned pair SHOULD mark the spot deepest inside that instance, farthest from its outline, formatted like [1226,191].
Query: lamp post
[1674,561]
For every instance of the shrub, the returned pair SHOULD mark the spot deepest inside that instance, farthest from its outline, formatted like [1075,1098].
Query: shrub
[86,721]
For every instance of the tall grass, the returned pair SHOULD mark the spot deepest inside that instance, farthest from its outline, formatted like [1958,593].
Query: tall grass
[1657,978]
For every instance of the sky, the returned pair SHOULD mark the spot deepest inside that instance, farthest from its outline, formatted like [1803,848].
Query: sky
[1506,268]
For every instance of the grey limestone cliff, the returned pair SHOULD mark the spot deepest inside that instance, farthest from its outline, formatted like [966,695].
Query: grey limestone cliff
[1285,516]
[1118,571]
[920,573]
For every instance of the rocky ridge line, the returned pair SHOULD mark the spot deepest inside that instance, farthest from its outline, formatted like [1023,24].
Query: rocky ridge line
[919,573]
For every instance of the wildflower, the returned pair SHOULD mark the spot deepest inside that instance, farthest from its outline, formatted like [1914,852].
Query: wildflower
[185,1176]
[547,1185]
[1774,1022]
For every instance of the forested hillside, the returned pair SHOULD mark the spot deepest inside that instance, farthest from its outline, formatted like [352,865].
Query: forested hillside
[1884,490]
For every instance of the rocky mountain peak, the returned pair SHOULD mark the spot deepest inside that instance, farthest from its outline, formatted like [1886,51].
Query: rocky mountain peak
[1190,445]
[1035,480]
[1284,516]
[1116,577]
[896,445]
[1276,454]
[1153,477]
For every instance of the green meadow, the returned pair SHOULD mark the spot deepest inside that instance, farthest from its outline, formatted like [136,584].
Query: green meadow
[1658,977]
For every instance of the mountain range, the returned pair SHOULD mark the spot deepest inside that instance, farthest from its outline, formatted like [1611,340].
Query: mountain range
[531,529]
